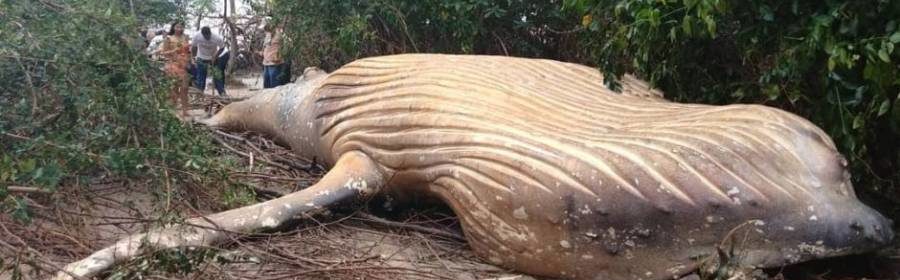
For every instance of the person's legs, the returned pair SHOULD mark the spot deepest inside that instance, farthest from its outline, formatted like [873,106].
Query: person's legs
[267,81]
[284,76]
[270,76]
[219,78]
[201,75]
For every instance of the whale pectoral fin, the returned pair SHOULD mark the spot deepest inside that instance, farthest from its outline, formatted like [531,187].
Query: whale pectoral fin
[354,175]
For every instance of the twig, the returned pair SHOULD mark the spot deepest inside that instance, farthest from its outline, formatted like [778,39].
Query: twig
[21,189]
[573,30]
[433,252]
[351,268]
[31,90]
[428,230]
[270,177]
[502,45]
[246,141]
[230,148]
[225,99]
[37,255]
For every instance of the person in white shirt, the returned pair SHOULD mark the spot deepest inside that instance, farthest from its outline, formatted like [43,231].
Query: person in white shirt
[207,46]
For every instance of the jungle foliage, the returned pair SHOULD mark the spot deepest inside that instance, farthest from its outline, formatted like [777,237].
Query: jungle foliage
[330,33]
[833,62]
[81,104]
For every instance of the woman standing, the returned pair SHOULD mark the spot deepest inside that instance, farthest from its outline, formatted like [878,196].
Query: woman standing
[176,50]
[273,64]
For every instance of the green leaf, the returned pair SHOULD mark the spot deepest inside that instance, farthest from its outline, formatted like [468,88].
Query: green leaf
[772,91]
[686,25]
[885,106]
[895,38]
[858,122]
[20,211]
[27,165]
[690,3]
[48,177]
[897,111]
[766,13]
[710,25]
[883,55]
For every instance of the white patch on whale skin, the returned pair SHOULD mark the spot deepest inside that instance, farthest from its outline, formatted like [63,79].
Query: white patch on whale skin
[269,222]
[733,191]
[520,213]
[585,210]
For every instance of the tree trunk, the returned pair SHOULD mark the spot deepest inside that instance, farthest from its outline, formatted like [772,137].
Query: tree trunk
[232,38]
[199,18]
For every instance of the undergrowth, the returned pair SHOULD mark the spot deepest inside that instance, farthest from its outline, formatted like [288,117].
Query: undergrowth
[82,105]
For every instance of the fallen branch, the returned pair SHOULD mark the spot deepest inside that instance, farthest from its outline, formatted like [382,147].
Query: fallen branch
[26,138]
[225,99]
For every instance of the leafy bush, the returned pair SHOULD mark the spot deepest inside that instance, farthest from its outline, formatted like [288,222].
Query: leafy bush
[331,33]
[79,101]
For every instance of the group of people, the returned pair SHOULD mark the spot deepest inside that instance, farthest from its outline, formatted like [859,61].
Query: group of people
[188,60]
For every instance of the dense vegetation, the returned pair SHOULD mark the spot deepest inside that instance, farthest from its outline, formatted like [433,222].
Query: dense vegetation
[331,33]
[82,105]
[833,62]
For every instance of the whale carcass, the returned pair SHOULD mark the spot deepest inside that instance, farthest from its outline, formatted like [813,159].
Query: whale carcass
[550,172]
